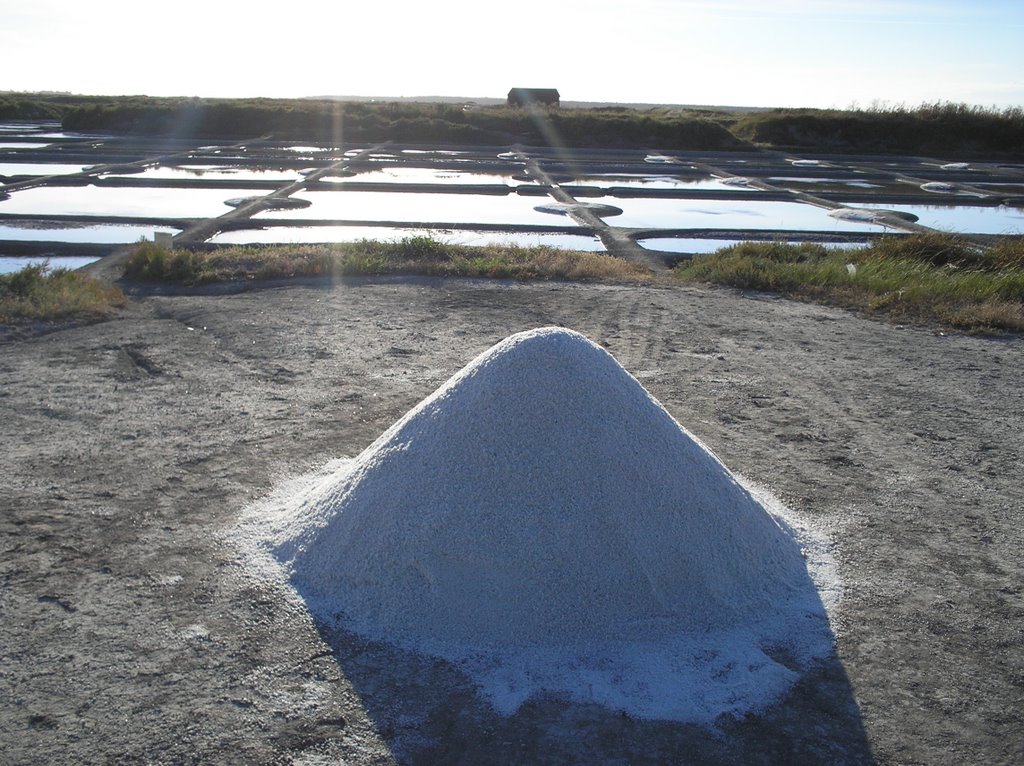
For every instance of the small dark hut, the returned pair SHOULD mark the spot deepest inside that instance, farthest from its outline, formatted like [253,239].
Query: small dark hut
[528,96]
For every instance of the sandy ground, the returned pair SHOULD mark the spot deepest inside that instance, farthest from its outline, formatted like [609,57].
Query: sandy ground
[133,632]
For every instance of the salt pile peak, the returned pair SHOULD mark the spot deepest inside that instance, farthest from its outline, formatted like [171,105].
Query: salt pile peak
[542,511]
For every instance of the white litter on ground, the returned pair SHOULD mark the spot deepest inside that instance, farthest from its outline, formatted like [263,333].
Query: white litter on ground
[542,522]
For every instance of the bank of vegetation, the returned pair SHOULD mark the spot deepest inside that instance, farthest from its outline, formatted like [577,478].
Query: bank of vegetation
[928,129]
[331,122]
[940,128]
[38,292]
[413,255]
[933,279]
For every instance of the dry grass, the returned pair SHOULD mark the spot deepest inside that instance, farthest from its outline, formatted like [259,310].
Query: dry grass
[928,279]
[414,255]
[39,293]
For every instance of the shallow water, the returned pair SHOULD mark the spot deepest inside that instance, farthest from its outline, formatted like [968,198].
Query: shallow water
[966,219]
[38,168]
[508,209]
[816,185]
[639,181]
[10,264]
[706,246]
[727,214]
[405,175]
[131,201]
[102,233]
[997,189]
[197,172]
[312,234]
[436,152]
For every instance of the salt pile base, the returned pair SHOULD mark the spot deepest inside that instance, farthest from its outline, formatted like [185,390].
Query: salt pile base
[542,522]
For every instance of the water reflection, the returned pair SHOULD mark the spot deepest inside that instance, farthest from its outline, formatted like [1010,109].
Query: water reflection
[414,175]
[973,219]
[50,231]
[318,234]
[10,264]
[419,207]
[645,181]
[728,214]
[707,246]
[194,172]
[115,202]
[38,168]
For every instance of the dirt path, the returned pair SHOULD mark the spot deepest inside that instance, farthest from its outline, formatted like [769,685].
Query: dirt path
[132,632]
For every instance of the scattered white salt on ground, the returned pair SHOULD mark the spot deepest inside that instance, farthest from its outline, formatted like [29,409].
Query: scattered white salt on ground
[542,522]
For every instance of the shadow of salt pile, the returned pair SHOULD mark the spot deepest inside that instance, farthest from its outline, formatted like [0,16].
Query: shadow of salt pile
[538,564]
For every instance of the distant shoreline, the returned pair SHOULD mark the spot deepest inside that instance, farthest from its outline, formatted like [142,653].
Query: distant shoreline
[955,132]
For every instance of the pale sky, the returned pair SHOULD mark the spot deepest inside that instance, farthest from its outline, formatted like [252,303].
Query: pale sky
[816,53]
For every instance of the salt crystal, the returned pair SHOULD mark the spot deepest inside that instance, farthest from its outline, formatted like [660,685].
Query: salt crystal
[545,524]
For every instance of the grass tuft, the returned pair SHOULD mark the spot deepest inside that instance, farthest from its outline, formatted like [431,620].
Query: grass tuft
[931,278]
[413,255]
[37,293]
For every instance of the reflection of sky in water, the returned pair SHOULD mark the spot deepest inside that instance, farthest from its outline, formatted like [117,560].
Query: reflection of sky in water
[821,185]
[17,263]
[38,169]
[400,175]
[1002,188]
[21,145]
[53,232]
[306,234]
[649,182]
[428,208]
[965,219]
[822,181]
[726,214]
[436,152]
[703,246]
[131,201]
[193,172]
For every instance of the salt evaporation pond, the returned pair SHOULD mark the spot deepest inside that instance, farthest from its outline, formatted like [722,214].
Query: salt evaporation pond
[38,169]
[544,524]
[317,234]
[707,246]
[51,231]
[650,213]
[966,219]
[10,264]
[836,185]
[998,188]
[128,201]
[220,172]
[649,182]
[403,175]
[422,207]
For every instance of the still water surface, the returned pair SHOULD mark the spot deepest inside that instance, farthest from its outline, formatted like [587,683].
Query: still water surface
[10,264]
[129,201]
[508,209]
[318,234]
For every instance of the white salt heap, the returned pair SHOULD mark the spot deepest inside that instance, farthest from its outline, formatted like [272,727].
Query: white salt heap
[545,524]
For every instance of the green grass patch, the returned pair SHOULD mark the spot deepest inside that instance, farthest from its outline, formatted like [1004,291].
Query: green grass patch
[413,255]
[39,293]
[930,279]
